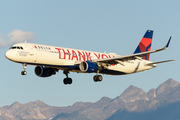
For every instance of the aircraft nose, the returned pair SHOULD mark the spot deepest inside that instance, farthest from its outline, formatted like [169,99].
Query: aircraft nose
[9,54]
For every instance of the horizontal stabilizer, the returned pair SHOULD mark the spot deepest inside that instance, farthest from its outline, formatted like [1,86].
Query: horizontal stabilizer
[160,62]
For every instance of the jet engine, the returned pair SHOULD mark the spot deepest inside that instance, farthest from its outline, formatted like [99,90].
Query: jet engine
[44,71]
[87,66]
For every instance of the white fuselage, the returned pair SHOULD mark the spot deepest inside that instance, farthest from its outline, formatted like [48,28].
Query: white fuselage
[66,58]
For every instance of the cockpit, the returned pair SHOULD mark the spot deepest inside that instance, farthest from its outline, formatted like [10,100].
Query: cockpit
[16,47]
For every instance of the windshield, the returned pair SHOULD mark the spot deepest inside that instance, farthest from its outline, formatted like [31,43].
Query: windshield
[16,47]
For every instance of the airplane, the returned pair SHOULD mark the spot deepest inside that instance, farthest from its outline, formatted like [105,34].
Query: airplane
[50,59]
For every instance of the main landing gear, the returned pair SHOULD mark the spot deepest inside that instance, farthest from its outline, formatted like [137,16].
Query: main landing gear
[67,80]
[24,67]
[97,78]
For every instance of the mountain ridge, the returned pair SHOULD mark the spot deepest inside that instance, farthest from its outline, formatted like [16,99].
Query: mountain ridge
[132,100]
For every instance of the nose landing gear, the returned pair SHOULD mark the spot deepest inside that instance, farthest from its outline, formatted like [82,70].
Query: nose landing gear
[24,67]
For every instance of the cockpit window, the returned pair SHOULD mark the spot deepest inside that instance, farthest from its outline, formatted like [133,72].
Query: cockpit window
[13,47]
[16,47]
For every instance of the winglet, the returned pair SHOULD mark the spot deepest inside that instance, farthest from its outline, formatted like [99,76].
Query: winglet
[166,46]
[168,42]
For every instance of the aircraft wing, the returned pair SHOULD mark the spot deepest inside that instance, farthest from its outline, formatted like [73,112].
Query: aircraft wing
[120,59]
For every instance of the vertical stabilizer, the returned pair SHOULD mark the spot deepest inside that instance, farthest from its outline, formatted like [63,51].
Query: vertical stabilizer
[145,44]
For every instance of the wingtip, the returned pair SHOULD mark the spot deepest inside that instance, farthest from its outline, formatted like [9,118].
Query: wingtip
[168,42]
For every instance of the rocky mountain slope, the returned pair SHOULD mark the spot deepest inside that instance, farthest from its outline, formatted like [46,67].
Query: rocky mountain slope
[132,102]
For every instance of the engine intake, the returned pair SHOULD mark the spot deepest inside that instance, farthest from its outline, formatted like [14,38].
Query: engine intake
[87,66]
[44,71]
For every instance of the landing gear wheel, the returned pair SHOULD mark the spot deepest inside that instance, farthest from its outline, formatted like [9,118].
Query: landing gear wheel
[23,73]
[67,81]
[97,78]
[24,67]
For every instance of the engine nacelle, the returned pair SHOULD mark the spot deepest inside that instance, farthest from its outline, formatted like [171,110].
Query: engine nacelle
[87,66]
[44,71]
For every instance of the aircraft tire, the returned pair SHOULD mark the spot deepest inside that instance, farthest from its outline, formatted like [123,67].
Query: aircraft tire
[97,78]
[23,73]
[67,81]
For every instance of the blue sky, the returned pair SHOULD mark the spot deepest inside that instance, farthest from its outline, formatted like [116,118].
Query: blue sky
[112,26]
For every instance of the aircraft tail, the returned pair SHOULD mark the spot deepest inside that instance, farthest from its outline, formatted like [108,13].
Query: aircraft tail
[145,44]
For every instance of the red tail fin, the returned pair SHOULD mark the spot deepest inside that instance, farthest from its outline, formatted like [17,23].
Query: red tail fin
[145,44]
